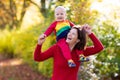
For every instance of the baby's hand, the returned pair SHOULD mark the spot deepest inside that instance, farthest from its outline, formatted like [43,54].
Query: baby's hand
[41,39]
[42,36]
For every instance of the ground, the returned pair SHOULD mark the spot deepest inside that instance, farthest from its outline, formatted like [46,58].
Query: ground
[14,69]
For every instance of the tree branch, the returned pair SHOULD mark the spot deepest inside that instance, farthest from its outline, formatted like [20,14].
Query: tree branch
[34,3]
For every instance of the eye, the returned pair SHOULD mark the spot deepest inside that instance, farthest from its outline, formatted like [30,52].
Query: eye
[73,33]
[57,13]
[61,13]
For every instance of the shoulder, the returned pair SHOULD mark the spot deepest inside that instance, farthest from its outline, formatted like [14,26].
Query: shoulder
[54,22]
[55,46]
[67,20]
[71,23]
[79,51]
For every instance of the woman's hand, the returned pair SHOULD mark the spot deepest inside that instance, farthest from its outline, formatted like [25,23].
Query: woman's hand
[41,39]
[87,28]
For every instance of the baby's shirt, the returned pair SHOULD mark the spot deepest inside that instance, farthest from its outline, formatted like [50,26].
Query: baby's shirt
[60,28]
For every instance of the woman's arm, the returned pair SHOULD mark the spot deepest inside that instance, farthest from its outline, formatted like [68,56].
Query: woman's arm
[39,55]
[97,45]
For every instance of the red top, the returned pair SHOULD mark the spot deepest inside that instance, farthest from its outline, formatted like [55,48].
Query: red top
[52,27]
[61,71]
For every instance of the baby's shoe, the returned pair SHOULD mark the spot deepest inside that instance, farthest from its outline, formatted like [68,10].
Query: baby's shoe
[71,63]
[82,58]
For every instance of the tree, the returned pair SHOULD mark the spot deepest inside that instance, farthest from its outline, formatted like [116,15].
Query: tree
[10,13]
[80,12]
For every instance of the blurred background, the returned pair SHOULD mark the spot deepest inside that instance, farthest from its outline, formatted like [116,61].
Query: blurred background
[22,21]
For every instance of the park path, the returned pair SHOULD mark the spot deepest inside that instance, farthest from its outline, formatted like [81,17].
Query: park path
[14,69]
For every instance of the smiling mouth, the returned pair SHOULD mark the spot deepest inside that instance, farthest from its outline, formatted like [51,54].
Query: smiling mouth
[69,38]
[59,18]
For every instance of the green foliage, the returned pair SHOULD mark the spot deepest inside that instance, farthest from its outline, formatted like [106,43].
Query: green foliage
[12,13]
[46,67]
[6,47]
[21,43]
[25,46]
[109,60]
[80,12]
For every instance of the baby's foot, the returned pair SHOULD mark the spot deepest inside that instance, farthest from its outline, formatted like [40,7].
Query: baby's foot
[71,63]
[83,58]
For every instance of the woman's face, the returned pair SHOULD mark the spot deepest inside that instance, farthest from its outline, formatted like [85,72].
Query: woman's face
[72,37]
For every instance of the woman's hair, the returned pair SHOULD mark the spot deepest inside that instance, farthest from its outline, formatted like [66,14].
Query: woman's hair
[82,37]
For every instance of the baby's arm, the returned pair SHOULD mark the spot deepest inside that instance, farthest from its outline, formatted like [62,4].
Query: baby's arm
[50,29]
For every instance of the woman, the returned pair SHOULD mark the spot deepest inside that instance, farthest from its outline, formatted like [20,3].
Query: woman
[76,41]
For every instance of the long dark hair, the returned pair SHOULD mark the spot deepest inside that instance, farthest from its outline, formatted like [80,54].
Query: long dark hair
[82,37]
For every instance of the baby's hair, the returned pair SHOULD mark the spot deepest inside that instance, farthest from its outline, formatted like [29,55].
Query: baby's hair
[60,7]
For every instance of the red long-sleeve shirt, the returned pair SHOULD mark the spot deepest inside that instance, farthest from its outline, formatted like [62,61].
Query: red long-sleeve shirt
[59,25]
[61,71]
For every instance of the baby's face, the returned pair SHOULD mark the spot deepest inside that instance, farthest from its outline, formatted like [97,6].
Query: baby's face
[60,15]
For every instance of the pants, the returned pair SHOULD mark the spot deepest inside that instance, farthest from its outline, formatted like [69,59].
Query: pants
[65,48]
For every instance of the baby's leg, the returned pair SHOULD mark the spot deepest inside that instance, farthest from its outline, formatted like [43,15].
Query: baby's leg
[66,52]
